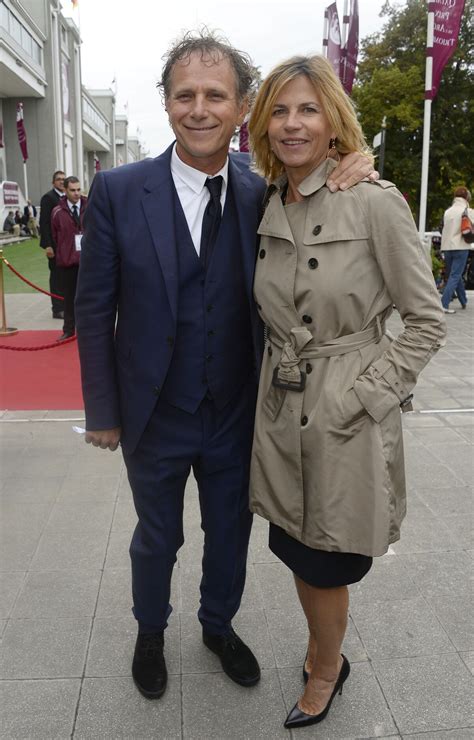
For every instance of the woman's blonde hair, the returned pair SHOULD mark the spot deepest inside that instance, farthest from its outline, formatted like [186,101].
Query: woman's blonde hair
[336,104]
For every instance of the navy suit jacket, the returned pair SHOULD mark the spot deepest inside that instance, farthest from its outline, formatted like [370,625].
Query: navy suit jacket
[127,292]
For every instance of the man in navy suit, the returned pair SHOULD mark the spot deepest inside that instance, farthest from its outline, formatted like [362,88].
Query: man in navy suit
[170,345]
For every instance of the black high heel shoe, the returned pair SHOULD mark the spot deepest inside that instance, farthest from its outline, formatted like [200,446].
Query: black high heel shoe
[298,718]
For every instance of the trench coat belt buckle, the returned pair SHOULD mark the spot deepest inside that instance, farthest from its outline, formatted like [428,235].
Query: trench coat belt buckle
[297,385]
[287,375]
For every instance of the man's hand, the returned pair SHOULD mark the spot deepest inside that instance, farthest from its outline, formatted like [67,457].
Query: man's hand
[49,251]
[106,439]
[352,168]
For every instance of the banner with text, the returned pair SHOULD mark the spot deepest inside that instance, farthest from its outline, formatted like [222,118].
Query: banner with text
[447,20]
[20,127]
[333,40]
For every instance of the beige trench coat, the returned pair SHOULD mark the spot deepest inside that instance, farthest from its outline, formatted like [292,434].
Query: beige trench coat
[327,462]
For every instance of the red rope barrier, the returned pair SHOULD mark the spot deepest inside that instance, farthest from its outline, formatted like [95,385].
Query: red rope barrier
[42,346]
[32,285]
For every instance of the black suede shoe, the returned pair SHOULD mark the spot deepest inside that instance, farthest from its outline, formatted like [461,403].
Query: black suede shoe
[149,667]
[66,335]
[237,659]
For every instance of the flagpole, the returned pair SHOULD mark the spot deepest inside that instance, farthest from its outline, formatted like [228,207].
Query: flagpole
[345,32]
[426,122]
[325,32]
[25,179]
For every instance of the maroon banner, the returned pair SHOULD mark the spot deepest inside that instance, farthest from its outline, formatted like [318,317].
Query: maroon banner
[10,194]
[352,48]
[20,127]
[447,20]
[333,41]
[244,138]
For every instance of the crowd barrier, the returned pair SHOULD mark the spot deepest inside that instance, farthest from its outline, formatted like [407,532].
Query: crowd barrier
[5,330]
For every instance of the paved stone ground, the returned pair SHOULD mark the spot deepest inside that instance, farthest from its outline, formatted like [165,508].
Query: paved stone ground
[68,633]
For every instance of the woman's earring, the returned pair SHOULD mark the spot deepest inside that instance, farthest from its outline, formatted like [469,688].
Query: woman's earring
[332,152]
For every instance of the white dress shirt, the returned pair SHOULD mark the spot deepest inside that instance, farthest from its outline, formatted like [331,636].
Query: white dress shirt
[193,194]
[78,206]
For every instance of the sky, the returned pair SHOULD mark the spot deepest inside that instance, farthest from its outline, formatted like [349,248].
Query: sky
[126,39]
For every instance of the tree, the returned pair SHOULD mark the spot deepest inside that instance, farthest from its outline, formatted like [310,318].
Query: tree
[391,81]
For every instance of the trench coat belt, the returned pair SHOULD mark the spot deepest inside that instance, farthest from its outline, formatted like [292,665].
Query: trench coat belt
[295,350]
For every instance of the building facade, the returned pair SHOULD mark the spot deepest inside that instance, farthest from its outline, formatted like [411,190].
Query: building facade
[67,126]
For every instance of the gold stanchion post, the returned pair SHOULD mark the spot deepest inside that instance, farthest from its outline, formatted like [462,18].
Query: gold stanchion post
[4,329]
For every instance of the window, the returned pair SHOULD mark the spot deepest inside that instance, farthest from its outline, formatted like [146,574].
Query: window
[95,118]
[18,32]
[36,51]
[15,28]
[26,41]
[4,16]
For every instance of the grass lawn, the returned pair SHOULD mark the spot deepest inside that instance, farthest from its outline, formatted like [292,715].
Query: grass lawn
[28,259]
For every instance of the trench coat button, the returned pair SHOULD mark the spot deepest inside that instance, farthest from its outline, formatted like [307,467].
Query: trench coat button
[156,390]
[209,358]
[307,319]
[209,308]
[313,263]
[317,229]
[304,421]
[309,368]
[210,333]
[170,341]
[262,254]
[270,351]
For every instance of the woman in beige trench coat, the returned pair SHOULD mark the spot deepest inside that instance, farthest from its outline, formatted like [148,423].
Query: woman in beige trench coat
[327,463]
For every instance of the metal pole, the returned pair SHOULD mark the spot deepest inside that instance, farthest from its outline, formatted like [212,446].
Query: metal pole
[382,146]
[25,177]
[426,125]
[325,33]
[345,32]
[4,330]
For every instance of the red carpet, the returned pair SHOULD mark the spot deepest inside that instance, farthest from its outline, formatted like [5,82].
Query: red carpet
[48,379]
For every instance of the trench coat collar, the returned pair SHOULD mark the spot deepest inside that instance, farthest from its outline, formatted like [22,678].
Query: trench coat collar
[317,178]
[274,222]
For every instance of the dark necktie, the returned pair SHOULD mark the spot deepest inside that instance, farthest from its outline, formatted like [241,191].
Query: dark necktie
[75,216]
[211,219]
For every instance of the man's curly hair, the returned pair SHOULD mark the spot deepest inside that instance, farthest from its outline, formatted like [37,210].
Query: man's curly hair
[212,48]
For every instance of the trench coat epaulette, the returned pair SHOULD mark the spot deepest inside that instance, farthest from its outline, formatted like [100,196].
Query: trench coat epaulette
[381,183]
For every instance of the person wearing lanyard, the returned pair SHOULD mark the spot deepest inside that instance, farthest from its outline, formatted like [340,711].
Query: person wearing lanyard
[66,227]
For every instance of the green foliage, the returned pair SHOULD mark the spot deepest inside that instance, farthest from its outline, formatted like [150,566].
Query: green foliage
[390,82]
[30,260]
[437,265]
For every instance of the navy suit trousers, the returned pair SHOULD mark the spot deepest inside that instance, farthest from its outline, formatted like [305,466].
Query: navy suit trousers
[216,445]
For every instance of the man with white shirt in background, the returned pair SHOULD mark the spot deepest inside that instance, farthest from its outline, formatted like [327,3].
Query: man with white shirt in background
[455,249]
[29,219]
[48,202]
